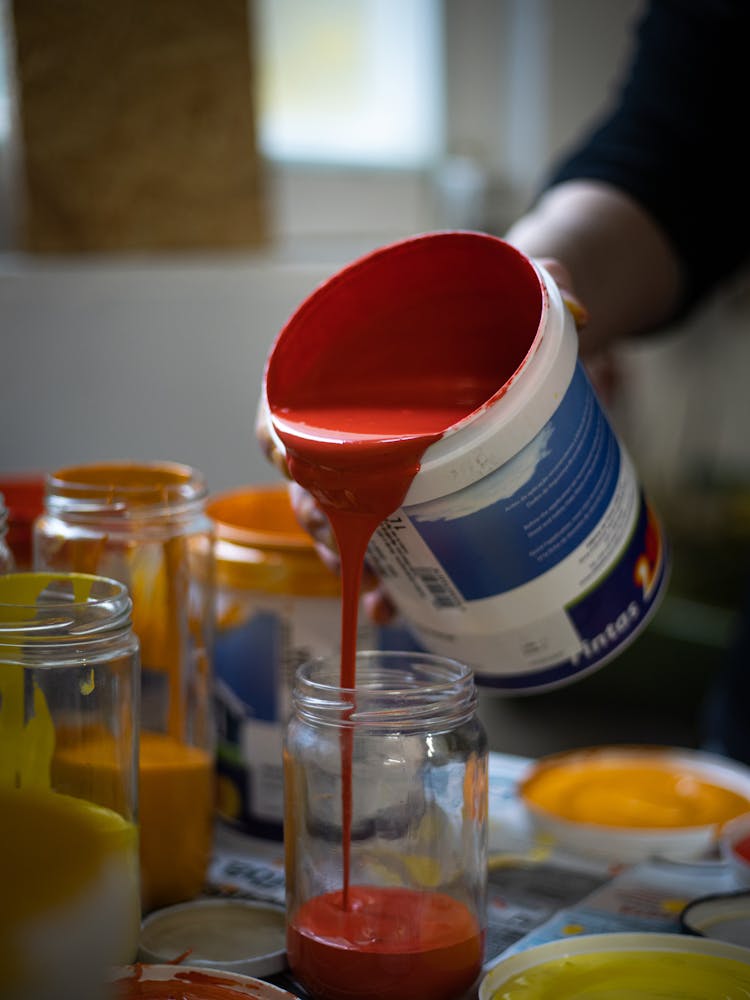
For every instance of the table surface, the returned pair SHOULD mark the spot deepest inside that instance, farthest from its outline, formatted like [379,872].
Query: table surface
[536,893]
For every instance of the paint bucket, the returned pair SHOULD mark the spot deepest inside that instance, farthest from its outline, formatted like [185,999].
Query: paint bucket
[525,545]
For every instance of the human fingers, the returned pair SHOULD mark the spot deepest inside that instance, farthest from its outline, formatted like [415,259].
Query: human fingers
[561,275]
[313,520]
[378,606]
[268,443]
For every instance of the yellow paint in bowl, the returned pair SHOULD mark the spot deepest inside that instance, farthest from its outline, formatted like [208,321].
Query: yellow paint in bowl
[638,975]
[622,966]
[638,789]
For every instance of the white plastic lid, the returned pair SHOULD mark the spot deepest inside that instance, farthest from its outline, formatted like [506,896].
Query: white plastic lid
[236,935]
[724,917]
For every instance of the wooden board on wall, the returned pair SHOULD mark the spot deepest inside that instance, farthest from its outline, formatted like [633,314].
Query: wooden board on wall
[137,125]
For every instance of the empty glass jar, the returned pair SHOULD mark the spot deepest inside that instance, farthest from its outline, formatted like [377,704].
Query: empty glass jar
[69,903]
[386,829]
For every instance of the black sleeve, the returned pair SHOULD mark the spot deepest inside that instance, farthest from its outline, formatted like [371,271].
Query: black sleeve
[677,137]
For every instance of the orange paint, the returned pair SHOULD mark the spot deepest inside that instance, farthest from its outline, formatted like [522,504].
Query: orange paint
[389,944]
[641,792]
[175,813]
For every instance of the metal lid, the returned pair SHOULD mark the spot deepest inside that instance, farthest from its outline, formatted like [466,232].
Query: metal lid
[236,935]
[724,917]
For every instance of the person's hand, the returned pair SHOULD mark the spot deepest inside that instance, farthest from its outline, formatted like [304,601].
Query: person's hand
[601,365]
[311,518]
[564,282]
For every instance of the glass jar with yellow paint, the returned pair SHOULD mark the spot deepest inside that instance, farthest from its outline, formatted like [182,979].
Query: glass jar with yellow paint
[145,525]
[69,904]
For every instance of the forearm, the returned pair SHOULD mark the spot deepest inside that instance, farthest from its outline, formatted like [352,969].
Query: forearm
[621,265]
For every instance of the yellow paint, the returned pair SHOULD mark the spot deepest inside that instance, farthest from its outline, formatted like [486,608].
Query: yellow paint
[176,807]
[675,906]
[634,975]
[53,848]
[26,742]
[570,929]
[643,792]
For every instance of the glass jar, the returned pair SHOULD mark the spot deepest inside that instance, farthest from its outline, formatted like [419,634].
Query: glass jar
[386,829]
[7,562]
[145,525]
[69,905]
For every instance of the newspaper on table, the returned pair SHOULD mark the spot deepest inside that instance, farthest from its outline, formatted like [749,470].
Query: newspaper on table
[535,892]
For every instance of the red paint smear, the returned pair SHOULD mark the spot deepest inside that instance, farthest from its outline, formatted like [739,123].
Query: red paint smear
[372,369]
[184,985]
[742,847]
[390,944]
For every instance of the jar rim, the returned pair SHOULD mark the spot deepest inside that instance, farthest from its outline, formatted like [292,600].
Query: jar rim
[125,487]
[49,606]
[394,689]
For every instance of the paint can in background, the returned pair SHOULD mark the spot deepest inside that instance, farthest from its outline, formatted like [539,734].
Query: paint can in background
[277,606]
[525,545]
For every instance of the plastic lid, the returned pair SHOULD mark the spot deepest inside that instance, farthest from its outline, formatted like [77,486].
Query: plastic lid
[236,935]
[724,917]
[259,515]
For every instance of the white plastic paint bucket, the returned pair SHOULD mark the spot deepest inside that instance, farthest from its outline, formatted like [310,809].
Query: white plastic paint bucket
[525,545]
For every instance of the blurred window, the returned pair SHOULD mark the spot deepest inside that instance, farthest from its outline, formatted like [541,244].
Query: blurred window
[354,82]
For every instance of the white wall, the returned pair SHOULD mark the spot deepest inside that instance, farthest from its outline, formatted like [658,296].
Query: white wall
[141,360]
[162,358]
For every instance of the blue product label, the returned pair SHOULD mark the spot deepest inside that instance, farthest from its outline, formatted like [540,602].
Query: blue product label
[532,512]
[246,659]
[609,615]
[540,570]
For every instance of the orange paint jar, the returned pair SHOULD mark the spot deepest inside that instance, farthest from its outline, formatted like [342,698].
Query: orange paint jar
[145,525]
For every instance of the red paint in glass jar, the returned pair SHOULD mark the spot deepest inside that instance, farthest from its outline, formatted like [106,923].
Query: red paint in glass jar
[387,944]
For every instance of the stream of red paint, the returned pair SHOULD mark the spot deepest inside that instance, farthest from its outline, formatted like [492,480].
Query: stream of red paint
[359,481]
[388,394]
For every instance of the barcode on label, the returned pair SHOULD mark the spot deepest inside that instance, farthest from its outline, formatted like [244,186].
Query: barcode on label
[440,591]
